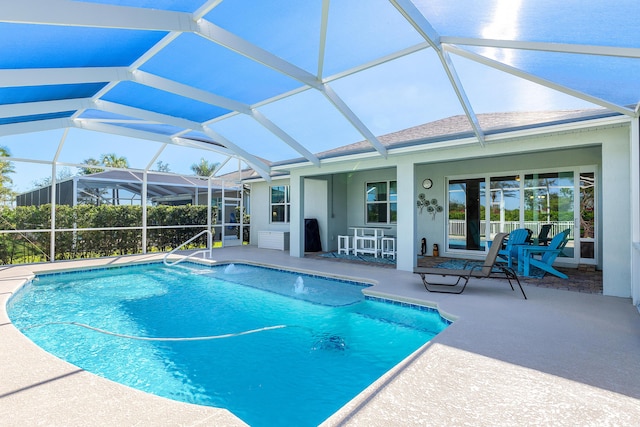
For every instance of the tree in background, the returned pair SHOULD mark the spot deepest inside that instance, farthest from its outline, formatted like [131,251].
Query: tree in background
[204,168]
[162,166]
[111,160]
[6,168]
[89,170]
[62,174]
[114,161]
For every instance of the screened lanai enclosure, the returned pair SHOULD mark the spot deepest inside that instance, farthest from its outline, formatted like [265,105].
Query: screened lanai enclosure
[284,79]
[278,89]
[124,212]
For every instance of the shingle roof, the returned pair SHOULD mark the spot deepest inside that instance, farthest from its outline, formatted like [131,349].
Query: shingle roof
[457,127]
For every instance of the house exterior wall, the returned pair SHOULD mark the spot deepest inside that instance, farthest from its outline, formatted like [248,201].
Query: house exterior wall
[316,205]
[607,148]
[338,210]
[260,209]
[434,227]
[356,208]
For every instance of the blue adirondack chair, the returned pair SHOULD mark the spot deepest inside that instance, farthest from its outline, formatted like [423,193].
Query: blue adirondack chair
[517,238]
[548,255]
[543,238]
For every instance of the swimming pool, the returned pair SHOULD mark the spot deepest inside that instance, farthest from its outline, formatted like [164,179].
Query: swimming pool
[273,347]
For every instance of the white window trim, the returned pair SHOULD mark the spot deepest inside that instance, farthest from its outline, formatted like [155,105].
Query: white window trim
[286,203]
[388,202]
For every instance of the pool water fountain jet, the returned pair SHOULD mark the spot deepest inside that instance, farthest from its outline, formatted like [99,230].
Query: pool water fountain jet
[230,269]
[298,287]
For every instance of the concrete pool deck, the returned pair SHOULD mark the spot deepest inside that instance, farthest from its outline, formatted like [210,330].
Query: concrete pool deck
[558,358]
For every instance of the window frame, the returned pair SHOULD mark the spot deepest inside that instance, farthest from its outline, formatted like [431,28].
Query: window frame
[388,202]
[286,204]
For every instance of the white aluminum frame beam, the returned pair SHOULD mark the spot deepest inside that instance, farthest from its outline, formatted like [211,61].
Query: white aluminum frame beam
[79,14]
[36,126]
[212,99]
[623,52]
[62,76]
[535,79]
[424,28]
[43,107]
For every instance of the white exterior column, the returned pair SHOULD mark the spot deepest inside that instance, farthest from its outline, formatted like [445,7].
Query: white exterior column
[406,227]
[616,225]
[296,220]
[635,211]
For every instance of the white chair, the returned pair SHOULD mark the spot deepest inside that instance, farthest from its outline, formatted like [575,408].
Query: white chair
[344,245]
[388,247]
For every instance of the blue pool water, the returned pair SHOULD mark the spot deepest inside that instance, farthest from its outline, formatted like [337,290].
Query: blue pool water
[312,344]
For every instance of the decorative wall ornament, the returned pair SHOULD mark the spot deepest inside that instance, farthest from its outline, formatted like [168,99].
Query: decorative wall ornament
[422,202]
[432,205]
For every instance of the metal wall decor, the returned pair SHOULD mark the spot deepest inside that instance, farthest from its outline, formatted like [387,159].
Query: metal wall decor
[432,205]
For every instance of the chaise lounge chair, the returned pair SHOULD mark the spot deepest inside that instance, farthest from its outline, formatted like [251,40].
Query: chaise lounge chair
[489,269]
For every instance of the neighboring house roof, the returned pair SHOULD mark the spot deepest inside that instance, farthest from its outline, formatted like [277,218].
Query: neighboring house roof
[158,184]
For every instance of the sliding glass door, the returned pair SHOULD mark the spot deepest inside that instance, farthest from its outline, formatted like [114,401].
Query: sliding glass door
[504,204]
[549,199]
[554,200]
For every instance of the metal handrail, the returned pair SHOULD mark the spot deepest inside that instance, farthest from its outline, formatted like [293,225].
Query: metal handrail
[209,246]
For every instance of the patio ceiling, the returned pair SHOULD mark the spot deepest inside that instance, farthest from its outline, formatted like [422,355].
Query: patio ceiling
[269,81]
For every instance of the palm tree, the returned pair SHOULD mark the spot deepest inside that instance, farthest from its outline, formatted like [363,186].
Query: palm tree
[114,161]
[6,167]
[91,195]
[110,160]
[204,168]
[88,170]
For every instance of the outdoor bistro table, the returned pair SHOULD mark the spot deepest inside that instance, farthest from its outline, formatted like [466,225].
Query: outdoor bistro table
[367,240]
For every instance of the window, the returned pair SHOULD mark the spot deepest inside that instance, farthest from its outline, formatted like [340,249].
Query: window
[382,202]
[280,204]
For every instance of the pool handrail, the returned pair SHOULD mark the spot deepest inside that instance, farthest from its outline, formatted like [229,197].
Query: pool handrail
[209,249]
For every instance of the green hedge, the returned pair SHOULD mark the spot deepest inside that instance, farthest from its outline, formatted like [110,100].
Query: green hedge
[35,246]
